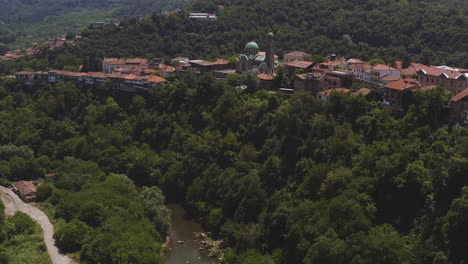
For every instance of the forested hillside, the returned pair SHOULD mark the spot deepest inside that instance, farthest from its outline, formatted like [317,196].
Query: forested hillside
[280,179]
[26,21]
[435,30]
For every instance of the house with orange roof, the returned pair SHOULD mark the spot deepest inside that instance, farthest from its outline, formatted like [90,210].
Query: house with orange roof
[359,70]
[26,190]
[459,108]
[266,81]
[379,71]
[111,64]
[324,95]
[292,66]
[202,66]
[395,92]
[332,63]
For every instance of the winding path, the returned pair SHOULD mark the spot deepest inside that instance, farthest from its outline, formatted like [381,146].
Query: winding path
[13,203]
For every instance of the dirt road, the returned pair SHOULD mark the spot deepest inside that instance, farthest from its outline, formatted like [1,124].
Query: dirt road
[13,203]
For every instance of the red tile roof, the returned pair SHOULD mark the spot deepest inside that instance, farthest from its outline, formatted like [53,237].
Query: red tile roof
[25,187]
[403,84]
[156,79]
[330,91]
[460,95]
[299,64]
[449,74]
[383,67]
[266,77]
[49,175]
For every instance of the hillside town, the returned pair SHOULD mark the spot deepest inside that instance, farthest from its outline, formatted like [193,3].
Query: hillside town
[335,74]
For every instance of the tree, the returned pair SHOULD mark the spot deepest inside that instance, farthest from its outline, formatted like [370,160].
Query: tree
[328,248]
[71,236]
[153,202]
[455,229]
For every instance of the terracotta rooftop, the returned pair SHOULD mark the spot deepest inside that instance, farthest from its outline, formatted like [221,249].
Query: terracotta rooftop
[299,64]
[363,91]
[460,95]
[449,74]
[383,67]
[25,187]
[330,91]
[156,79]
[403,84]
[266,77]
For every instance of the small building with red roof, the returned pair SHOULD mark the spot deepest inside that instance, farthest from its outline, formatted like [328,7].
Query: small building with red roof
[380,71]
[292,66]
[26,190]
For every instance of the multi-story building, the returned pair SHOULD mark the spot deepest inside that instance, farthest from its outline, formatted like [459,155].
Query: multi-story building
[377,72]
[454,80]
[338,79]
[312,82]
[395,91]
[117,82]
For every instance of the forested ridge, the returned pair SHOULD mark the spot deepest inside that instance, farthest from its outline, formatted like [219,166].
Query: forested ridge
[26,21]
[382,29]
[422,31]
[280,179]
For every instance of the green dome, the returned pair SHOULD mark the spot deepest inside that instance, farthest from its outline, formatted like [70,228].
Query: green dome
[251,45]
[270,34]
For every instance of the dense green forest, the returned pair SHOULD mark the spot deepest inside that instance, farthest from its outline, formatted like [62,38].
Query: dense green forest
[281,179]
[434,31]
[25,21]
[21,240]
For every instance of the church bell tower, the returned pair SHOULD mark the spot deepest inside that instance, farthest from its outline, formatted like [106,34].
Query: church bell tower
[270,51]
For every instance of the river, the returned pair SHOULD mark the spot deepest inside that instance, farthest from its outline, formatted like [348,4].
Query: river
[182,230]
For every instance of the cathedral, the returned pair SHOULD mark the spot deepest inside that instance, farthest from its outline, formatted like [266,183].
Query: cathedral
[258,61]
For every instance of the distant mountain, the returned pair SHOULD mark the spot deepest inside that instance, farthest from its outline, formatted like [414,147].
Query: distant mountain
[26,20]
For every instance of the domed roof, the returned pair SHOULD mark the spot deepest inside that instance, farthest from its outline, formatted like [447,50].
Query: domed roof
[251,45]
[270,34]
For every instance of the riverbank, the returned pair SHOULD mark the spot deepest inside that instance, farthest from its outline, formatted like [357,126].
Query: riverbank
[181,247]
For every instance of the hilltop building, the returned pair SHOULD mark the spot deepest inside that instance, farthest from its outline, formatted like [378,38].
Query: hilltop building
[257,61]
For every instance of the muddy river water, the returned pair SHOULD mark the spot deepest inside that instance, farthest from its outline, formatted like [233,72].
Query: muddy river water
[183,248]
